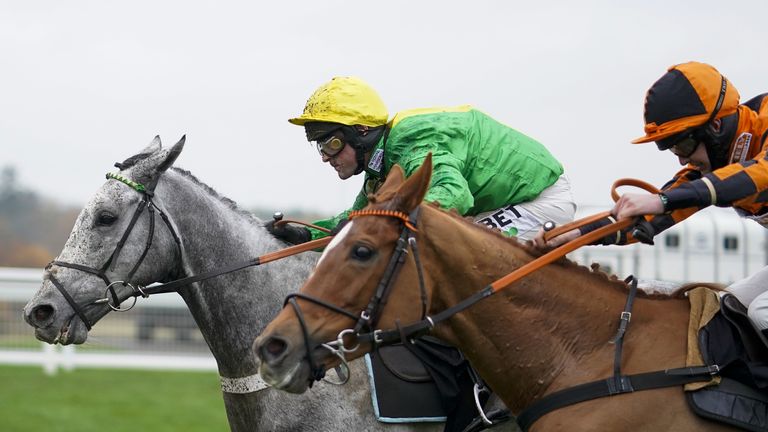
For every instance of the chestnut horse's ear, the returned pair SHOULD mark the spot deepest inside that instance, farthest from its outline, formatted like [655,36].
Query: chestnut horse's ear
[394,179]
[412,192]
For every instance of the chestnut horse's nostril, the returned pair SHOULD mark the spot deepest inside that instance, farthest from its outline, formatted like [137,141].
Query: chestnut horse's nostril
[273,349]
[41,315]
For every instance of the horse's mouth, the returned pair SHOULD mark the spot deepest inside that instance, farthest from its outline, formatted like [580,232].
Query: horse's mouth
[72,332]
[297,376]
[294,380]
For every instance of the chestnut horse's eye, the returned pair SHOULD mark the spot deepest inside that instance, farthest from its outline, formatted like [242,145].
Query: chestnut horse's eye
[362,253]
[105,219]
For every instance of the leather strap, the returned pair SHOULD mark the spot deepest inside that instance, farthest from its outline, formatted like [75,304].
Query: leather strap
[605,387]
[263,259]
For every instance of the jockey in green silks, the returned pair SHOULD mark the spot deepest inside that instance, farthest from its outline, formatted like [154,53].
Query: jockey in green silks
[482,168]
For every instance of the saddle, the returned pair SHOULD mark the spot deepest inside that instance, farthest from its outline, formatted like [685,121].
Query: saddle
[729,340]
[424,381]
[401,388]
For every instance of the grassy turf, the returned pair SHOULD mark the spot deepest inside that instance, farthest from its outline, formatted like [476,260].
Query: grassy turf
[110,400]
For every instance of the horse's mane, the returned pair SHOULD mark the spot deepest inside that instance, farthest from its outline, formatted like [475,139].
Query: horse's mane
[231,204]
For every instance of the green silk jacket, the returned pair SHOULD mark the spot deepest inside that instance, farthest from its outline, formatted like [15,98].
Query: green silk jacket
[479,164]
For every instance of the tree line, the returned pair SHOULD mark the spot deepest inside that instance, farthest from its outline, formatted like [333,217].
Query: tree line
[33,228]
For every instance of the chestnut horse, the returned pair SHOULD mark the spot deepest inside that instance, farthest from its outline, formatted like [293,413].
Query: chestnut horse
[550,331]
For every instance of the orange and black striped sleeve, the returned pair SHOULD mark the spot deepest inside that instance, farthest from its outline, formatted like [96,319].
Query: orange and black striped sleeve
[742,184]
[658,222]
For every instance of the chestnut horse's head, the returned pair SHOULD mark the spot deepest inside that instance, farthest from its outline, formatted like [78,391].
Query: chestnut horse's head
[300,343]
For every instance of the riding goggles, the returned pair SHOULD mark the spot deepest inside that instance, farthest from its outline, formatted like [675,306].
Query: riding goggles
[330,146]
[685,146]
[682,145]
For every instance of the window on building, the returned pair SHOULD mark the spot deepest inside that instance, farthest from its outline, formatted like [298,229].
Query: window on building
[730,243]
[672,241]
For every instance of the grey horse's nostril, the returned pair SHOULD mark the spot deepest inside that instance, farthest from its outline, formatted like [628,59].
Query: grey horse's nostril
[42,314]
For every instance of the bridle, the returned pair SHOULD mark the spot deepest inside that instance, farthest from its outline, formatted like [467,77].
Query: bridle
[110,296]
[368,317]
[241,385]
[147,202]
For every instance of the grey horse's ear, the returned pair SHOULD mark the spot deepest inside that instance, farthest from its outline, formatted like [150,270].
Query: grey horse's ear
[173,153]
[149,170]
[154,146]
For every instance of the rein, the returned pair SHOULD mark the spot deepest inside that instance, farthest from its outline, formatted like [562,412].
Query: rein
[425,325]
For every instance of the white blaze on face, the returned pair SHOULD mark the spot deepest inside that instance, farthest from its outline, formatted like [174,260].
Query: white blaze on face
[335,242]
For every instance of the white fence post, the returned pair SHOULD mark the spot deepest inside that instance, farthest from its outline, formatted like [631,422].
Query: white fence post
[49,359]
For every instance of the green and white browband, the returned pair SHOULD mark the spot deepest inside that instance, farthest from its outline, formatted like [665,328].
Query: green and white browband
[137,186]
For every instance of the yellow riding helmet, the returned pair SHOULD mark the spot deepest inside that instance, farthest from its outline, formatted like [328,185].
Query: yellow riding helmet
[346,100]
[688,95]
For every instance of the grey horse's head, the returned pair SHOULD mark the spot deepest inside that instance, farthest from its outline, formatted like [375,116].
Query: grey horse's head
[114,242]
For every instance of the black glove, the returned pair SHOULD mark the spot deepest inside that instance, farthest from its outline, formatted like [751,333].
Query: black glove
[643,231]
[289,233]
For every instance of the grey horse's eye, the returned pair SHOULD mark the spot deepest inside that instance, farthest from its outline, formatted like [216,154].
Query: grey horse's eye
[105,218]
[362,253]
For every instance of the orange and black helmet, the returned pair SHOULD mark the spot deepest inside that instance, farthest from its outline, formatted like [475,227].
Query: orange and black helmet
[688,96]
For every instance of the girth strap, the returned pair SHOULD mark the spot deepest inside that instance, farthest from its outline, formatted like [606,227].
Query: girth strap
[607,387]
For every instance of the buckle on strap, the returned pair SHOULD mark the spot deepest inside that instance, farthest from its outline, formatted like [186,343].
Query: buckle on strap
[626,316]
[365,316]
[377,338]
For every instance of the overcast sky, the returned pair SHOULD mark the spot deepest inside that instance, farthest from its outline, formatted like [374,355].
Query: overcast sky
[88,83]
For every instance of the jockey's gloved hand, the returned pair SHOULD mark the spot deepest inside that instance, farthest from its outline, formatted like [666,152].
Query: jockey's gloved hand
[289,233]
[643,231]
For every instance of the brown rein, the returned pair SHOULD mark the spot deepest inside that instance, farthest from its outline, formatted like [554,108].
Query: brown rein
[578,242]
[389,336]
[296,249]
[262,259]
[281,221]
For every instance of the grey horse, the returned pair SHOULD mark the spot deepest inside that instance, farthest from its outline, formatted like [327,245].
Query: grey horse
[231,310]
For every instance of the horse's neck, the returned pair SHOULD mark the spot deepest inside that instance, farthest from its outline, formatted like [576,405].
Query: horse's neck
[532,326]
[230,309]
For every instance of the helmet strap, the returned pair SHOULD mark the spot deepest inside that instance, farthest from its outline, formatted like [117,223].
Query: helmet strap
[362,143]
[718,142]
[360,157]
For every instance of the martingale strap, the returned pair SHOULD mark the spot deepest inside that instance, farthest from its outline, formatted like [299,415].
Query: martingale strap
[606,387]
